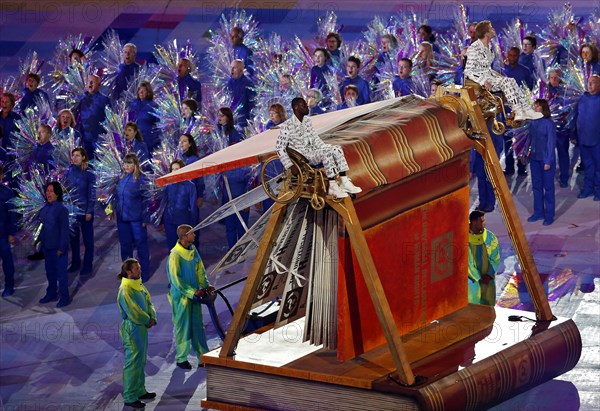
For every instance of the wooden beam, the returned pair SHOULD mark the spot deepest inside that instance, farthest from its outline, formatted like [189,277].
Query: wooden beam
[373,282]
[249,292]
[513,224]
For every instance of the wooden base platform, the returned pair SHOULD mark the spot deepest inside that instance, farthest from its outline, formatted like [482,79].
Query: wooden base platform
[471,359]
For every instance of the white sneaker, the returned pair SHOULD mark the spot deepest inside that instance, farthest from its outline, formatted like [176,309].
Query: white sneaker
[348,186]
[335,191]
[527,114]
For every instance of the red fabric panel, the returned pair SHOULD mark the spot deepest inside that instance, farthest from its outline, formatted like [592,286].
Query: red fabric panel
[421,259]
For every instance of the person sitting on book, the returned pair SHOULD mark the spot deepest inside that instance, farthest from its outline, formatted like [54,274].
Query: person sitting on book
[478,68]
[298,133]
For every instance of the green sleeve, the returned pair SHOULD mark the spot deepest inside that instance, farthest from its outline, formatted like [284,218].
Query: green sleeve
[151,311]
[493,250]
[201,274]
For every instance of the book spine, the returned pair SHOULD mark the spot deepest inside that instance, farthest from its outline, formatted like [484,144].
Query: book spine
[510,372]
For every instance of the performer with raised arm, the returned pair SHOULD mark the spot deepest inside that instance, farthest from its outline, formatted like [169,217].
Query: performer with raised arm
[298,133]
[479,69]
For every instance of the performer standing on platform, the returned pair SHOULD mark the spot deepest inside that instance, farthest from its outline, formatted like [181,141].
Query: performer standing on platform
[298,133]
[138,315]
[484,259]
[478,69]
[542,163]
[188,283]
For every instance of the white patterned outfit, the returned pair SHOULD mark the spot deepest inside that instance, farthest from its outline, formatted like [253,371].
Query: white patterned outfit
[302,137]
[479,69]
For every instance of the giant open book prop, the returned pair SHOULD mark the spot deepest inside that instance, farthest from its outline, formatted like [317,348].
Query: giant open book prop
[385,294]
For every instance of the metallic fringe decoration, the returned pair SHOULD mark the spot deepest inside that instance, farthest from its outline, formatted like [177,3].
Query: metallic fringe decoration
[221,52]
[325,25]
[31,64]
[74,84]
[168,58]
[108,166]
[62,151]
[32,198]
[61,63]
[25,139]
[161,158]
[11,85]
[149,73]
[108,161]
[110,59]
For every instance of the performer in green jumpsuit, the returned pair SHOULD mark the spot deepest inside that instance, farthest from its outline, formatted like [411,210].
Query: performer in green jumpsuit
[188,284]
[138,315]
[484,259]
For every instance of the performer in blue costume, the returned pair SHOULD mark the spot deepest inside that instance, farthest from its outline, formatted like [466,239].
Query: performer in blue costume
[189,155]
[238,179]
[587,136]
[134,142]
[242,93]
[138,315]
[515,69]
[484,259]
[43,150]
[132,213]
[90,114]
[54,238]
[31,94]
[487,197]
[8,230]
[187,85]
[542,163]
[126,70]
[240,50]
[82,182]
[141,111]
[353,78]
[555,95]
[65,127]
[403,83]
[180,205]
[188,283]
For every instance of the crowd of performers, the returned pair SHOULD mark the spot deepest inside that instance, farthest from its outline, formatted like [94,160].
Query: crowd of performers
[96,130]
[103,125]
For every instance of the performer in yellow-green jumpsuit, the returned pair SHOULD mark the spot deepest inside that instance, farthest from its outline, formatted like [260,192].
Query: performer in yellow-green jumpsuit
[188,284]
[484,259]
[138,315]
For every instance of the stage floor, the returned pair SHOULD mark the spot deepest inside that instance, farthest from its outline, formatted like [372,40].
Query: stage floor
[72,359]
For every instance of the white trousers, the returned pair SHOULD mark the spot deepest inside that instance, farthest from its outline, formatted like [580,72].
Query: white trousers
[332,158]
